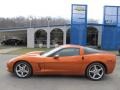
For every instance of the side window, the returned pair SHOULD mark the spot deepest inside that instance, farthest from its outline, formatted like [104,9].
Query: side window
[68,52]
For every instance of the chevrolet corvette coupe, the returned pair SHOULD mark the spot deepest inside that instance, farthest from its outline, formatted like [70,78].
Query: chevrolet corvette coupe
[64,60]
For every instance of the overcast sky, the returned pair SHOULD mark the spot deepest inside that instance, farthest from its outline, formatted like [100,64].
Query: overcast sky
[53,8]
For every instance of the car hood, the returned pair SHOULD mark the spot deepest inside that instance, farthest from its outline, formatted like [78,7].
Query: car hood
[35,52]
[30,54]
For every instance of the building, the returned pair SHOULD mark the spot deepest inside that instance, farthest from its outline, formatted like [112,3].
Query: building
[51,36]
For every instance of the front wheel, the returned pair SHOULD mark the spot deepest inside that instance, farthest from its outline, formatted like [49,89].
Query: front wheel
[22,69]
[95,71]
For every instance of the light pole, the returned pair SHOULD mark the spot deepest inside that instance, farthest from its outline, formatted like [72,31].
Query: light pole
[30,19]
[48,33]
[48,21]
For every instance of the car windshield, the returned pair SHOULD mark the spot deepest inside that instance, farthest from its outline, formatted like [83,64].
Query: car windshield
[45,54]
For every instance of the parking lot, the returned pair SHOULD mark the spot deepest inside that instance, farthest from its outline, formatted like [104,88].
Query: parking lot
[10,82]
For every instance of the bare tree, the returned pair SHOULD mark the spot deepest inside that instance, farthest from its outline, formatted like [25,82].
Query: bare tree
[20,22]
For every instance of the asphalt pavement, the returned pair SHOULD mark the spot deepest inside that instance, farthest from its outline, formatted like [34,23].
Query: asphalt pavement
[10,82]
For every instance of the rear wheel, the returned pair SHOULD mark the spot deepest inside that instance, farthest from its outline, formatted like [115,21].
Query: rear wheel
[22,69]
[95,71]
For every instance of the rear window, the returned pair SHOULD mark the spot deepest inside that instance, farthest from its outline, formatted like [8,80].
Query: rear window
[91,50]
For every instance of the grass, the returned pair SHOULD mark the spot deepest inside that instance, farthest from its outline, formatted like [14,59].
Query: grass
[2,47]
[5,47]
[26,50]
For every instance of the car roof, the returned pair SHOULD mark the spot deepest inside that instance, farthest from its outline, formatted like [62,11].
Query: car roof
[71,45]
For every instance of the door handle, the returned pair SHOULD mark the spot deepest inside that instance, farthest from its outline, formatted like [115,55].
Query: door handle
[82,57]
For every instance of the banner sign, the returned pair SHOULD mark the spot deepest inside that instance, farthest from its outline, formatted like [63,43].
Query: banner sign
[110,15]
[78,14]
[78,24]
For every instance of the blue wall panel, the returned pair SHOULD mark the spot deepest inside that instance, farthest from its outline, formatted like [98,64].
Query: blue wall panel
[109,37]
[118,38]
[78,34]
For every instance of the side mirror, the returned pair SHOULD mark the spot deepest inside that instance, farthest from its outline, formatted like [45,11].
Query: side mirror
[42,52]
[56,56]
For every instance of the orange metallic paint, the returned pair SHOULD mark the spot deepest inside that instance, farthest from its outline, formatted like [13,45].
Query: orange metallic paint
[68,65]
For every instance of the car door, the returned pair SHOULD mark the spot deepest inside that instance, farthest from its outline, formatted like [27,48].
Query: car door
[64,61]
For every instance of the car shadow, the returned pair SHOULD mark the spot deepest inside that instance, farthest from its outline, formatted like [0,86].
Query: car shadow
[59,77]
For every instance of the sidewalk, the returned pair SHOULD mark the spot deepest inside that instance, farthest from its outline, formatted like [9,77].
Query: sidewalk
[7,50]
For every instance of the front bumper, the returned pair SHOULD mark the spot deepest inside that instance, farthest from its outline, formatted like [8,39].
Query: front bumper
[9,67]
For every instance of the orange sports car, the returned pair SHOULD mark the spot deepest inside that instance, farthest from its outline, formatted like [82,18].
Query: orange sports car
[64,60]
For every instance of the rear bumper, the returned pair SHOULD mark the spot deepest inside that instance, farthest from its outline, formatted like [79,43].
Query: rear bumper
[111,66]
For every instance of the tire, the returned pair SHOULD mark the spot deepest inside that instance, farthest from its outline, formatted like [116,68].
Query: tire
[95,71]
[22,69]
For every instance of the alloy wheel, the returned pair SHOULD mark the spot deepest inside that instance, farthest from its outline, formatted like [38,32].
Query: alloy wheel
[22,69]
[96,71]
